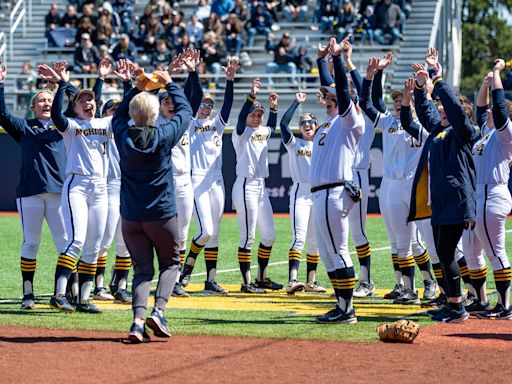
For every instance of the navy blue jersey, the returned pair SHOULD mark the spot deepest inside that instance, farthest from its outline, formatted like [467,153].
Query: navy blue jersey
[43,156]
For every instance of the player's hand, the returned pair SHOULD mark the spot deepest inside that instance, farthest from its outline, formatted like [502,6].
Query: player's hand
[232,66]
[104,68]
[300,97]
[408,88]
[421,77]
[373,68]
[499,65]
[123,72]
[432,57]
[3,71]
[320,98]
[322,50]
[272,100]
[386,61]
[430,87]
[190,60]
[335,49]
[61,67]
[48,74]
[176,65]
[141,80]
[255,87]
[416,67]
[486,82]
[163,77]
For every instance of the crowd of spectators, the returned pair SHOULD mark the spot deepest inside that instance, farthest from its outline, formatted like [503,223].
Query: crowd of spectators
[219,28]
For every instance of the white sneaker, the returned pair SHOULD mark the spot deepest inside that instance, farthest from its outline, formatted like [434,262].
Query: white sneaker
[365,289]
[101,294]
[313,287]
[28,303]
[294,286]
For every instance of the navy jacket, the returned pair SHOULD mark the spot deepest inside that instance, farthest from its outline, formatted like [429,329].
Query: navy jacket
[451,167]
[147,185]
[43,155]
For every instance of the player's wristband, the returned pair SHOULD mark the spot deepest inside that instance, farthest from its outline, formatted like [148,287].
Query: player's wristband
[436,79]
[251,98]
[351,67]
[273,110]
[419,87]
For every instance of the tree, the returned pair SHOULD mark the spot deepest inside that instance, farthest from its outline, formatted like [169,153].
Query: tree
[486,35]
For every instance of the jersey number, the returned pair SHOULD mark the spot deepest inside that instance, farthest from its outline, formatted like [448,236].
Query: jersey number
[104,145]
[322,137]
[480,149]
[184,140]
[217,141]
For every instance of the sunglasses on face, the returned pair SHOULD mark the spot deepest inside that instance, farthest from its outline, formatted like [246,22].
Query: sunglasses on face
[206,106]
[306,121]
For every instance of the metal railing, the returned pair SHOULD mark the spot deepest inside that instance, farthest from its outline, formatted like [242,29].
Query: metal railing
[3,46]
[16,18]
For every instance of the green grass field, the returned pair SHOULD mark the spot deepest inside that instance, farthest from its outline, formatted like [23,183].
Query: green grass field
[277,324]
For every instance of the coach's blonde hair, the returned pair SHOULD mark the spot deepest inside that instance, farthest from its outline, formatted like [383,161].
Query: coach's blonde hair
[143,109]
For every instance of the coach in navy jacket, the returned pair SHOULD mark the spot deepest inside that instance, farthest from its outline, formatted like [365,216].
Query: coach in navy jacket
[148,208]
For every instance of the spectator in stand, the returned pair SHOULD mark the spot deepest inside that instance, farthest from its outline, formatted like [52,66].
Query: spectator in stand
[108,11]
[88,11]
[104,31]
[124,9]
[388,17]
[259,24]
[328,14]
[406,8]
[125,49]
[222,8]
[234,32]
[203,11]
[85,26]
[70,19]
[346,20]
[86,56]
[156,6]
[241,11]
[52,21]
[175,31]
[272,7]
[213,52]
[162,56]
[166,17]
[507,82]
[148,12]
[365,25]
[27,82]
[214,25]
[104,54]
[149,34]
[295,10]
[284,56]
[185,43]
[362,4]
[303,61]
[195,29]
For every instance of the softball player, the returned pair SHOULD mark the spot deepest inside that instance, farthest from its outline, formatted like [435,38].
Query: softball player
[205,135]
[492,155]
[84,198]
[183,189]
[301,202]
[250,197]
[402,153]
[333,192]
[41,178]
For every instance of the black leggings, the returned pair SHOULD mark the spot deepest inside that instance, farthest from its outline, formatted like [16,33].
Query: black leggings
[446,238]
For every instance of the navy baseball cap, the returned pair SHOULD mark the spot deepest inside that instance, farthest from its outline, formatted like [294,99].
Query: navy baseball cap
[110,104]
[162,96]
[256,105]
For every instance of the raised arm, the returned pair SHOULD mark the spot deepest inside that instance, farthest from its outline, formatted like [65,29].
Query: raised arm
[377,98]
[194,91]
[482,100]
[340,77]
[182,111]
[286,132]
[408,123]
[244,112]
[326,78]
[272,114]
[499,106]
[230,69]
[426,110]
[365,102]
[61,76]
[357,80]
[123,73]
[14,126]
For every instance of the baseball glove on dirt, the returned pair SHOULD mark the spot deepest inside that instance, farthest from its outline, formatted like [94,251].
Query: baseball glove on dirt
[401,331]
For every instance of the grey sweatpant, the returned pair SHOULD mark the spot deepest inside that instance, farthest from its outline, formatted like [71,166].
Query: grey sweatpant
[141,238]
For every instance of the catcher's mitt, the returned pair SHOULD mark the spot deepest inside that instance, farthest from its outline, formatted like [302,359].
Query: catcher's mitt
[401,331]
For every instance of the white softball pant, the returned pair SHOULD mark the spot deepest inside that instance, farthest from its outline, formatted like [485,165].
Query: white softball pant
[84,208]
[32,210]
[358,213]
[384,210]
[493,204]
[427,234]
[184,194]
[208,207]
[113,226]
[331,209]
[253,208]
[302,219]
